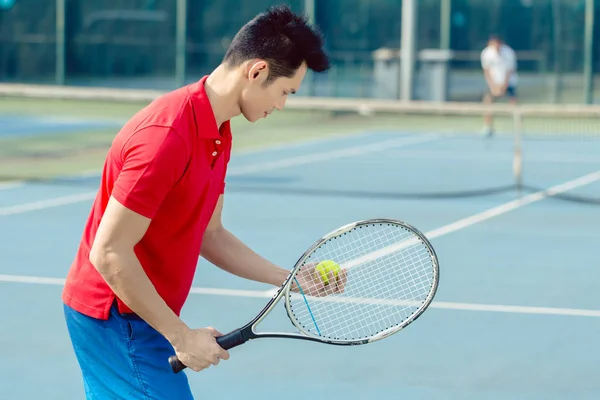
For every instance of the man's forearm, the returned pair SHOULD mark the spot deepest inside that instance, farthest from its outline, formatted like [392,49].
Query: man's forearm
[226,251]
[488,79]
[124,274]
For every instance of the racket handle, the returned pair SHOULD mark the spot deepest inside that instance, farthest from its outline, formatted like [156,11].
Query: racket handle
[176,365]
[232,339]
[226,341]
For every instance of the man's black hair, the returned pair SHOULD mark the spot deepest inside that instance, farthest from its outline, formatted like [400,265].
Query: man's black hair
[281,38]
[496,37]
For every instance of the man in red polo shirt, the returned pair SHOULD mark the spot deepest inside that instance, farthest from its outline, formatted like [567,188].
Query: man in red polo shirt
[159,208]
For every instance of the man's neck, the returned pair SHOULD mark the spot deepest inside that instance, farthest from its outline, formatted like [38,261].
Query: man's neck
[223,90]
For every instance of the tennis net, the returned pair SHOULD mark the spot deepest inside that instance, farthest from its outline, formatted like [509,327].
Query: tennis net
[61,134]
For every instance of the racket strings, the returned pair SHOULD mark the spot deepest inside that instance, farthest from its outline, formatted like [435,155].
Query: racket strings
[369,316]
[374,317]
[384,289]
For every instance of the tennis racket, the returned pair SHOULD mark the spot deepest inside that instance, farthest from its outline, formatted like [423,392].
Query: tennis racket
[389,276]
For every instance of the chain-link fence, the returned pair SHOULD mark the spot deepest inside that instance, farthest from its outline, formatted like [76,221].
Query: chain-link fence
[164,43]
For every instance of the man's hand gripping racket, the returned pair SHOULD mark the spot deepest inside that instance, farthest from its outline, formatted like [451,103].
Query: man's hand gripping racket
[360,283]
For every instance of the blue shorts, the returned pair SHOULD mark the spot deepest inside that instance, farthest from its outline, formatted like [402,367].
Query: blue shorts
[511,91]
[124,358]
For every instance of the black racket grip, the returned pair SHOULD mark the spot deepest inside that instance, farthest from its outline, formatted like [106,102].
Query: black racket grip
[232,339]
[176,365]
[227,341]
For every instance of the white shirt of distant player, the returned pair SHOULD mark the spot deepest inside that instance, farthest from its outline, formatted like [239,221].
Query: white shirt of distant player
[499,63]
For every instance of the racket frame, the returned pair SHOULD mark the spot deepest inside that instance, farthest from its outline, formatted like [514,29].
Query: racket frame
[247,332]
[387,332]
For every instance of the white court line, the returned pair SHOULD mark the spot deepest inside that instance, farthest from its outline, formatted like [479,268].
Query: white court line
[477,218]
[333,154]
[32,279]
[44,204]
[444,230]
[496,156]
[298,143]
[460,224]
[286,162]
[11,184]
[265,295]
[480,217]
[328,155]
[244,151]
[513,205]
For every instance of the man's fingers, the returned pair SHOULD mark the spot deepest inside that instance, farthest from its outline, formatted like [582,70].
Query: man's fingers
[342,280]
[223,354]
[214,332]
[195,364]
[332,285]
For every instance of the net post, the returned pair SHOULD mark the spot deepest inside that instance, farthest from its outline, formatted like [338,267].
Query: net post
[180,43]
[310,13]
[59,68]
[407,50]
[588,53]
[445,24]
[518,149]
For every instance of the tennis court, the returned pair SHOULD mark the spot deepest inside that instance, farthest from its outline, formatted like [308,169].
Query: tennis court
[516,314]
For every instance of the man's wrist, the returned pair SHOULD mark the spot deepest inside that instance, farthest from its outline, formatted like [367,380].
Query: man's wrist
[279,276]
[175,333]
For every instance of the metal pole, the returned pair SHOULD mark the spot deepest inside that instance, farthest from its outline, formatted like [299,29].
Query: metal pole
[518,151]
[407,49]
[588,53]
[557,28]
[309,12]
[445,24]
[180,43]
[59,67]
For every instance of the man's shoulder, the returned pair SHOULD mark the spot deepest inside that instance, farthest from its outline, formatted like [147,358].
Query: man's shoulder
[508,50]
[486,52]
[486,55]
[168,112]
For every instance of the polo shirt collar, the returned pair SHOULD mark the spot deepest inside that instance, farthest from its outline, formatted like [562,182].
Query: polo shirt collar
[203,112]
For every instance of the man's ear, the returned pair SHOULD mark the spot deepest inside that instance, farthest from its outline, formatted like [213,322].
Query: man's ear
[258,70]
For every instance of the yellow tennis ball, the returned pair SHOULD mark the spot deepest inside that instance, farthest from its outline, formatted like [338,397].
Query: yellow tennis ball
[325,267]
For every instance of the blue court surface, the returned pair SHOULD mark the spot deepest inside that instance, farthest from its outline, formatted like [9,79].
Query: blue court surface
[516,316]
[13,126]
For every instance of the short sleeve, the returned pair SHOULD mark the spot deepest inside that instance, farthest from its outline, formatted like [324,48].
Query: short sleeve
[153,160]
[484,59]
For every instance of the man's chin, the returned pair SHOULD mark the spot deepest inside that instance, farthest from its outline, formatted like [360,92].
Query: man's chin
[251,118]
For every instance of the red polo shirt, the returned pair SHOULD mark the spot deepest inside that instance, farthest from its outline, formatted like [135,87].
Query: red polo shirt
[168,163]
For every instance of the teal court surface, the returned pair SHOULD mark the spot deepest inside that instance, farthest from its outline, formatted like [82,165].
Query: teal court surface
[516,316]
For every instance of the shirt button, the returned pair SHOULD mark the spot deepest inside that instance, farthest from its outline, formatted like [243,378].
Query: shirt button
[217,142]
[214,153]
